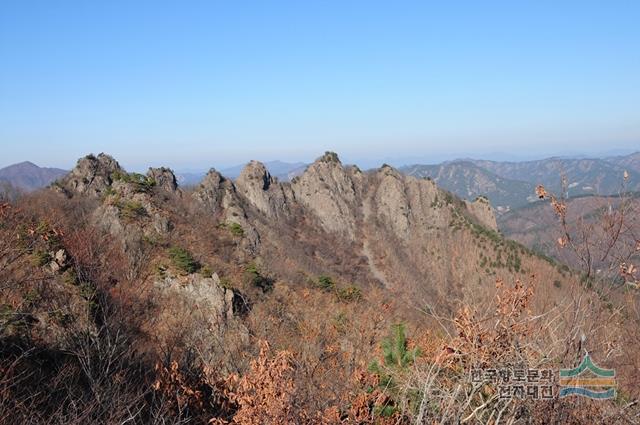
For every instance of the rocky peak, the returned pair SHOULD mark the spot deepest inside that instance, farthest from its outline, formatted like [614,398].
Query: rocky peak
[388,170]
[255,174]
[219,196]
[263,191]
[481,209]
[212,179]
[212,190]
[391,200]
[164,178]
[129,210]
[92,175]
[329,157]
[329,190]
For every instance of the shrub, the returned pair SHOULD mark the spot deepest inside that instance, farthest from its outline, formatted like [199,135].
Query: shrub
[70,277]
[109,191]
[206,271]
[448,198]
[41,258]
[326,283]
[349,293]
[340,323]
[140,182]
[226,283]
[236,229]
[161,270]
[132,210]
[396,360]
[183,260]
[267,393]
[330,157]
[256,278]
[396,354]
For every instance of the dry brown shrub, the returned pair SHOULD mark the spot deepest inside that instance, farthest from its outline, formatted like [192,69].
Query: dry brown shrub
[363,403]
[511,336]
[603,234]
[195,393]
[267,393]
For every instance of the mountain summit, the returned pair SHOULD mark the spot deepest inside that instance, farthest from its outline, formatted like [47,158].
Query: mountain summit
[28,176]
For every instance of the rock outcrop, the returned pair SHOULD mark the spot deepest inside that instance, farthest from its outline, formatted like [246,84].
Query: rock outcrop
[398,225]
[128,208]
[198,311]
[217,193]
[263,191]
[92,176]
[164,178]
[219,197]
[329,191]
[379,226]
[390,198]
[481,209]
[216,304]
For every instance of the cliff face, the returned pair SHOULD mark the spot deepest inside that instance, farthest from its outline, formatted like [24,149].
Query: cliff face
[330,192]
[379,228]
[375,228]
[341,197]
[483,212]
[263,191]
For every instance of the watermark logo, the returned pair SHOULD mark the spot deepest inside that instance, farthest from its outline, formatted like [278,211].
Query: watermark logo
[518,383]
[588,380]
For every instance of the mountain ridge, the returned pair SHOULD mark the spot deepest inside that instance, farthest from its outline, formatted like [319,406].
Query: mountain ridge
[28,176]
[510,185]
[322,267]
[377,227]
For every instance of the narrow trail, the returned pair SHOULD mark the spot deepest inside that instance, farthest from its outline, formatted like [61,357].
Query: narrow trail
[366,249]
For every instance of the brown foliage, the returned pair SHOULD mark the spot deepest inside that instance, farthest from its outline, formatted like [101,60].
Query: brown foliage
[267,393]
[192,393]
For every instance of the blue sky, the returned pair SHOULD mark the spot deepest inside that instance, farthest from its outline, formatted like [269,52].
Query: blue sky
[195,84]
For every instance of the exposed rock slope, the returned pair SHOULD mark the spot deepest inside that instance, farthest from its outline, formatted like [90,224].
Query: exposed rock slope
[375,228]
[378,228]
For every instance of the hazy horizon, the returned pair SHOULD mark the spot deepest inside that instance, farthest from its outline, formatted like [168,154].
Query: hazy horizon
[196,85]
[372,163]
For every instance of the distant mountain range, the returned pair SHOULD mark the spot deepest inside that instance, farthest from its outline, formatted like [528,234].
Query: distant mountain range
[468,180]
[284,171]
[510,185]
[507,184]
[536,225]
[27,176]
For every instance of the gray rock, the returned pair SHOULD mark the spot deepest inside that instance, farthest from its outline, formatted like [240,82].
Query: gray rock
[91,176]
[213,189]
[59,261]
[218,195]
[328,190]
[215,302]
[262,191]
[164,178]
[483,212]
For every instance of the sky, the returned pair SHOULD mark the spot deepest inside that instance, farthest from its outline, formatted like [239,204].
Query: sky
[193,84]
